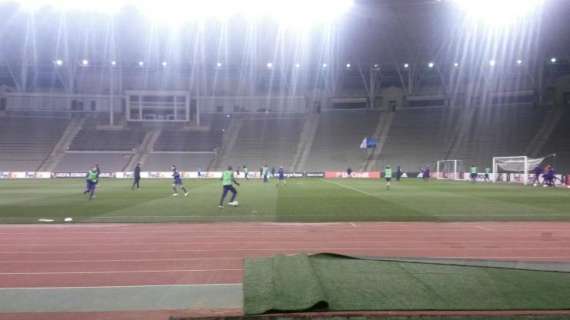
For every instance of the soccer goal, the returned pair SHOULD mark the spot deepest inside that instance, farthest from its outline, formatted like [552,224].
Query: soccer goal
[514,169]
[449,169]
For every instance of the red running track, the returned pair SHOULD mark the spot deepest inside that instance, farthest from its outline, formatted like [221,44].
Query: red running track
[86,255]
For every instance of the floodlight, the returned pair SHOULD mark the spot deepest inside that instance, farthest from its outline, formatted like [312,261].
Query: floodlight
[219,64]
[113,63]
[553,60]
[164,63]
[406,65]
[269,65]
[492,63]
[348,65]
[58,62]
[456,64]
[85,62]
[325,65]
[297,65]
[431,65]
[497,13]
[141,63]
[376,66]
[519,61]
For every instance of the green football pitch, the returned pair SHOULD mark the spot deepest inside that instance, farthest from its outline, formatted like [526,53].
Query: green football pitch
[301,200]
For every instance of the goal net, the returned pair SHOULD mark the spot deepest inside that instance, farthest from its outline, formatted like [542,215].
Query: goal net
[514,169]
[449,169]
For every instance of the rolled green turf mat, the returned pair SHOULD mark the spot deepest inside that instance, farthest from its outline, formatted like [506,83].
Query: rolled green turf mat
[337,283]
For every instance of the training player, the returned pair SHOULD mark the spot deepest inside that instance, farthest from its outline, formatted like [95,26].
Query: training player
[177,182]
[265,173]
[388,176]
[91,179]
[487,174]
[246,172]
[136,177]
[473,174]
[228,182]
[281,176]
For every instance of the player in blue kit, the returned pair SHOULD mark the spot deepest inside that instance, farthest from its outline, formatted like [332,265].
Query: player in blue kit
[281,176]
[177,183]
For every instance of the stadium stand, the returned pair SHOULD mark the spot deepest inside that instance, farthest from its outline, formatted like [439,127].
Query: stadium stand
[184,161]
[266,140]
[559,143]
[26,142]
[91,139]
[417,137]
[82,161]
[185,140]
[497,131]
[337,142]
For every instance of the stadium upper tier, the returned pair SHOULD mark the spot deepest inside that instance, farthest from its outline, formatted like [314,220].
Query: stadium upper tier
[90,139]
[26,142]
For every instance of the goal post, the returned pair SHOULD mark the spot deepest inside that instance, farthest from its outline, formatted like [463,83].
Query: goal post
[514,168]
[449,169]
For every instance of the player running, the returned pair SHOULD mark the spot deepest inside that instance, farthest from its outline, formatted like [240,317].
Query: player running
[388,176]
[91,180]
[228,182]
[177,183]
[281,176]
[136,177]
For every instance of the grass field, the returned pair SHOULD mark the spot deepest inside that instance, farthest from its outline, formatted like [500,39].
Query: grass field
[304,200]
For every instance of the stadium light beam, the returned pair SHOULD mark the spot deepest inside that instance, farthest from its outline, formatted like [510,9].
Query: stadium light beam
[456,64]
[141,63]
[218,64]
[406,65]
[431,65]
[164,64]
[324,65]
[519,62]
[499,13]
[85,62]
[553,60]
[348,65]
[297,65]
[113,63]
[269,65]
[58,62]
[492,63]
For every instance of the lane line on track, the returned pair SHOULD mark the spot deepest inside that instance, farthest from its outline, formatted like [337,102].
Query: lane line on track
[118,271]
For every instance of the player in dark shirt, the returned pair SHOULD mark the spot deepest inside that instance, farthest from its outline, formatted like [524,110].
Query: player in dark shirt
[177,183]
[281,176]
[136,177]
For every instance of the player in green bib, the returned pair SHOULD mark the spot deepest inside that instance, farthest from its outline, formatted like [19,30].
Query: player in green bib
[473,174]
[487,174]
[91,180]
[388,176]
[228,182]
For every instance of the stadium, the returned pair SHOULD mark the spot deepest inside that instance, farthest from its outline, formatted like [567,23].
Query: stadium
[285,159]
